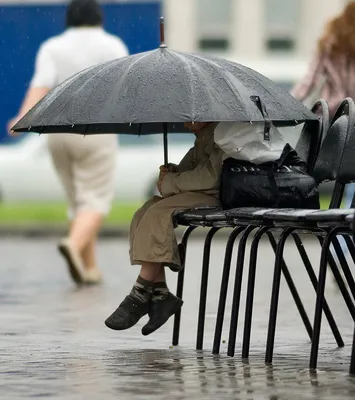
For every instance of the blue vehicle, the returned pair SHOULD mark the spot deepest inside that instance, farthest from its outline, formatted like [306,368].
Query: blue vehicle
[23,27]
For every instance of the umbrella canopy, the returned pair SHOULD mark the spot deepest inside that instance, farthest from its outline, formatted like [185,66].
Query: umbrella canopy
[136,94]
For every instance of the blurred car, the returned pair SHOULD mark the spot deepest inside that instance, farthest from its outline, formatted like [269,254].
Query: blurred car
[27,174]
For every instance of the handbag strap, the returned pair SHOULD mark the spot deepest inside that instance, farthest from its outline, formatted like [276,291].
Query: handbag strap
[271,173]
[274,188]
[273,168]
[264,113]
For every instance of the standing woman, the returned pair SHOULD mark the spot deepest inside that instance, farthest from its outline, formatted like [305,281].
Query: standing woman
[331,74]
[85,165]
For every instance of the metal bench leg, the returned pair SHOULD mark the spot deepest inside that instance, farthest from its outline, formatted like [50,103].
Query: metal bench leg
[313,279]
[180,287]
[349,242]
[352,360]
[237,291]
[250,290]
[224,287]
[339,280]
[204,284]
[293,289]
[275,295]
[344,264]
[320,298]
[351,246]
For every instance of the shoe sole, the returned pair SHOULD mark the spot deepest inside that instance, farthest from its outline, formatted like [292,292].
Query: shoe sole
[115,328]
[74,273]
[173,312]
[93,283]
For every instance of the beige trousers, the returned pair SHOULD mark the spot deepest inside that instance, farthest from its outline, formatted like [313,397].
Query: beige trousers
[86,166]
[152,236]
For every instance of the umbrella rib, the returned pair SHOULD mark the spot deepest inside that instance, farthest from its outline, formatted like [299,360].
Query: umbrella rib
[94,76]
[59,108]
[193,112]
[248,71]
[129,68]
[217,67]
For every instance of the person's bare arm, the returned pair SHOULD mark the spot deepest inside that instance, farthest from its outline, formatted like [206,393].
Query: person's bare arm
[32,97]
[43,80]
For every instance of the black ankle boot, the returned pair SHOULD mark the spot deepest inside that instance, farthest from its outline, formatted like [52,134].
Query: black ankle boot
[129,312]
[161,309]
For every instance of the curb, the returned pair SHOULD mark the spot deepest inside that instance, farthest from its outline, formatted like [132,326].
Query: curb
[45,231]
[42,231]
[48,230]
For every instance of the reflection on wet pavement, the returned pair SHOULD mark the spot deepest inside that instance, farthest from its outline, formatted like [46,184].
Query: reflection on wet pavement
[53,342]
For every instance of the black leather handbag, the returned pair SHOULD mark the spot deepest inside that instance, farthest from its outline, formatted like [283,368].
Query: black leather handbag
[283,183]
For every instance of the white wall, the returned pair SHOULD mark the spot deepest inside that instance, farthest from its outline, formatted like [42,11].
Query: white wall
[180,24]
[315,14]
[248,32]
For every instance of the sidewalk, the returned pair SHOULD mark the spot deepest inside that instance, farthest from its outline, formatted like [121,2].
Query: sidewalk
[55,346]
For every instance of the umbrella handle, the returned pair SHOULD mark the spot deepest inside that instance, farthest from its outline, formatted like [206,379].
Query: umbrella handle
[162,34]
[165,137]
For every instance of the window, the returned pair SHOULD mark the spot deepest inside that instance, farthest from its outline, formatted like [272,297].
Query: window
[214,24]
[282,18]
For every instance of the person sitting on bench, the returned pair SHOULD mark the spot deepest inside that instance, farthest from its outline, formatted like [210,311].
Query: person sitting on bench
[153,245]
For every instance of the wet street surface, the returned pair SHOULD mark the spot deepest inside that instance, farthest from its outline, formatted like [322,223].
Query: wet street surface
[54,344]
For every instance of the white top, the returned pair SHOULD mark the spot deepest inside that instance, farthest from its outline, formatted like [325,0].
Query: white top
[76,49]
[245,141]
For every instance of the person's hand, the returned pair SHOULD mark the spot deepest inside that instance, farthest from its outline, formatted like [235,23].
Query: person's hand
[11,123]
[163,171]
[159,183]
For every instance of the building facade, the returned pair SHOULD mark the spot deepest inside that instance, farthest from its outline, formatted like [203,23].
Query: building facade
[249,29]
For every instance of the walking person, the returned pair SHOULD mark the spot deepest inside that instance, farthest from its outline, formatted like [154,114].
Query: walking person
[331,74]
[85,165]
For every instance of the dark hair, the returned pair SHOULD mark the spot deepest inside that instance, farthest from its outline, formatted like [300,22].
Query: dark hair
[84,13]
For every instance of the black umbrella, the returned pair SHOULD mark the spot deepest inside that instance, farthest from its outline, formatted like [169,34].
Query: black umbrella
[159,90]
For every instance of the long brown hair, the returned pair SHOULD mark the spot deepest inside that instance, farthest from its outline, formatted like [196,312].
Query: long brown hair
[339,35]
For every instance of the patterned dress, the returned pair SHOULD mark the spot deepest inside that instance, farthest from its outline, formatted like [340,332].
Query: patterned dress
[339,75]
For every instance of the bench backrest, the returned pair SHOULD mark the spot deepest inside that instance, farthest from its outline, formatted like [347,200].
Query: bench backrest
[312,134]
[337,153]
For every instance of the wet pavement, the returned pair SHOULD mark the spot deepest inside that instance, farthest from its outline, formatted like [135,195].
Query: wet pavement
[53,342]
